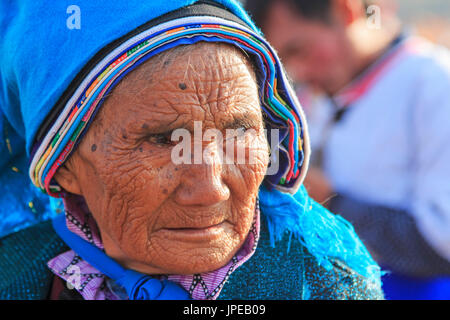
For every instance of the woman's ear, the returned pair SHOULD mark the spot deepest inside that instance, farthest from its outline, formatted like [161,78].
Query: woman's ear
[68,180]
[349,11]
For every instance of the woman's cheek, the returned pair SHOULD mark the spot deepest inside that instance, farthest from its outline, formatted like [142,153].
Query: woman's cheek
[252,175]
[258,159]
[126,186]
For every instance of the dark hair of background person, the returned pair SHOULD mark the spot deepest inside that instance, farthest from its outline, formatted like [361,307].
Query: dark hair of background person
[311,9]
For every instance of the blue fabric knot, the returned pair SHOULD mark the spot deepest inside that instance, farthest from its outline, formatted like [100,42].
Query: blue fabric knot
[137,285]
[144,287]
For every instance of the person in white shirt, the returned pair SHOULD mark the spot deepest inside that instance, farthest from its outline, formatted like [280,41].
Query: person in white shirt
[382,151]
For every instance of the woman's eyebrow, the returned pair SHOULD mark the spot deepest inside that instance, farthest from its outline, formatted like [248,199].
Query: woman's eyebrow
[242,120]
[245,120]
[160,126]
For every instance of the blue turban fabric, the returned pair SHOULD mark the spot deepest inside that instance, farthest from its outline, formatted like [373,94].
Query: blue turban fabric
[40,56]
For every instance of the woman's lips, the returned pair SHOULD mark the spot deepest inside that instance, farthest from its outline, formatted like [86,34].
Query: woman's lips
[196,234]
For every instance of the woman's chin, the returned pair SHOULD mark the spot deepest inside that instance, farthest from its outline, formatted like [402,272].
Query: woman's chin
[189,260]
[201,261]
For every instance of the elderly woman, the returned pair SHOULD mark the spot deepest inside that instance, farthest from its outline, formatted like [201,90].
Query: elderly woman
[100,106]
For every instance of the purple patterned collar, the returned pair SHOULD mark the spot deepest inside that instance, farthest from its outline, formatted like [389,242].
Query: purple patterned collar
[93,285]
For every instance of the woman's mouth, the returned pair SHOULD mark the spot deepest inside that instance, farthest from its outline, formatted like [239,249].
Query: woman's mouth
[196,234]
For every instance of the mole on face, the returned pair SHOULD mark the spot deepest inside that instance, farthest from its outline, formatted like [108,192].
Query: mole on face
[182,86]
[93,147]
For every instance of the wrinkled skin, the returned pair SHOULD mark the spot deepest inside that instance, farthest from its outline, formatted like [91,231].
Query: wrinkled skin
[152,213]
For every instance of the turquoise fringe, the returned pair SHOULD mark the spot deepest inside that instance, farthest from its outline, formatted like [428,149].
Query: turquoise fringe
[325,235]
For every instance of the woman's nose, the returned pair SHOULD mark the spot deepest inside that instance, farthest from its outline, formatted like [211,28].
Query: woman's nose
[203,184]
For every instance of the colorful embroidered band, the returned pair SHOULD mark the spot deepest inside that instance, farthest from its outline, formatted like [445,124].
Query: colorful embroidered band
[278,99]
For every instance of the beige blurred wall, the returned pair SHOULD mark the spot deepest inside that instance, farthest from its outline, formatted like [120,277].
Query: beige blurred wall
[428,18]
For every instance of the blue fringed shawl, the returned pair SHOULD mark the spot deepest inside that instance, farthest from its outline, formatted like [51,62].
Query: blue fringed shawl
[325,235]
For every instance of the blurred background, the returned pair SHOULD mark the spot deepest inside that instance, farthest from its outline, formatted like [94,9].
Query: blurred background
[428,18]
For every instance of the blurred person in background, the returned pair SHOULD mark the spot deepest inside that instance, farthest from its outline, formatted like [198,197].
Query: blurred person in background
[382,160]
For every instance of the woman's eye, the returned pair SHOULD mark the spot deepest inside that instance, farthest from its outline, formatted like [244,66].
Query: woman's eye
[242,131]
[161,139]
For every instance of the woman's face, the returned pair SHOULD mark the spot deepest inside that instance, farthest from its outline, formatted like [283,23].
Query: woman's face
[157,216]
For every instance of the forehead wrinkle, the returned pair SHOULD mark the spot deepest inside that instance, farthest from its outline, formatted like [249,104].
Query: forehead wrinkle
[219,98]
[199,88]
[223,87]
